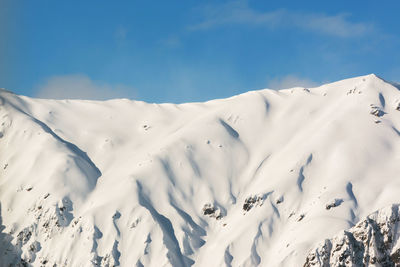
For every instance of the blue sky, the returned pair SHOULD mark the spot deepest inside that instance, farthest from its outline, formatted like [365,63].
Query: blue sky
[184,51]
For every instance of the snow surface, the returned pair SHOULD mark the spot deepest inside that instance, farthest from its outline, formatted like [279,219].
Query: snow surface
[256,179]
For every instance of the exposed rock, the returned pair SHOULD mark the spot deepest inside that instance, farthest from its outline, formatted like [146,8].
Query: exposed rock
[135,223]
[24,236]
[253,201]
[32,250]
[334,203]
[376,111]
[398,106]
[351,91]
[279,200]
[212,211]
[301,217]
[373,241]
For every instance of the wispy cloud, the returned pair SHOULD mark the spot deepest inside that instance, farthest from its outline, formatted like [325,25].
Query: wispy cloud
[239,12]
[80,86]
[290,81]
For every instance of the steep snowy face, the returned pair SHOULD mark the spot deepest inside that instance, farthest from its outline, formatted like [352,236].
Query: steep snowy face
[256,179]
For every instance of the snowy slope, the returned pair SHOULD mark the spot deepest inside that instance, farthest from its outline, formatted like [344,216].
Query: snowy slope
[256,179]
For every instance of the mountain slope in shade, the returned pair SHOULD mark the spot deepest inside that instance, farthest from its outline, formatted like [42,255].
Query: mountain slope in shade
[256,179]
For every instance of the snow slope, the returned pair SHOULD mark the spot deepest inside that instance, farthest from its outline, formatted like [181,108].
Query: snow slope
[256,179]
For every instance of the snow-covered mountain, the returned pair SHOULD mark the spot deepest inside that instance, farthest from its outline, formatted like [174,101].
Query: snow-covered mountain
[263,178]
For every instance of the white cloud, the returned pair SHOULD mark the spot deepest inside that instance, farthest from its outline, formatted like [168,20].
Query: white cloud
[80,86]
[290,81]
[239,12]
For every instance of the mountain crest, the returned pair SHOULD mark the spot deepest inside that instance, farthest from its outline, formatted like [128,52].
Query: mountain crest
[256,179]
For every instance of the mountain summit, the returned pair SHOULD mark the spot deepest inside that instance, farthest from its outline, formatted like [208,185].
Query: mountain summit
[264,178]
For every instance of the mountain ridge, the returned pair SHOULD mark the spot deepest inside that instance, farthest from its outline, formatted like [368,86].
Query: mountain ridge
[240,181]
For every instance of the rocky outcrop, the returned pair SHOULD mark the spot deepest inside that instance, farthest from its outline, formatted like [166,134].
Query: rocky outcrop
[253,201]
[372,242]
[211,211]
[376,111]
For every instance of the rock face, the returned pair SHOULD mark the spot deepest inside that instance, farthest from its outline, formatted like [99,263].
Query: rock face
[372,242]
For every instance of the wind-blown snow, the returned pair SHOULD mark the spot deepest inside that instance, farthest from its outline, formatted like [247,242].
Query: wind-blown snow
[256,179]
